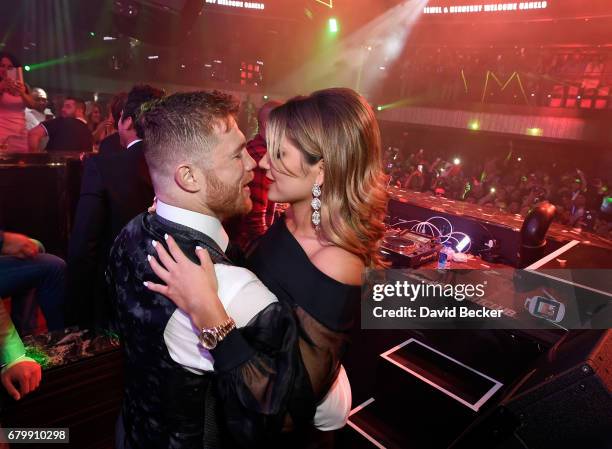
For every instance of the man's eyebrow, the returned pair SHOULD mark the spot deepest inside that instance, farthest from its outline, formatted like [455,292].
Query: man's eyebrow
[240,148]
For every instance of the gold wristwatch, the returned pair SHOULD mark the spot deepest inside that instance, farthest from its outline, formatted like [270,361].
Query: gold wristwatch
[211,336]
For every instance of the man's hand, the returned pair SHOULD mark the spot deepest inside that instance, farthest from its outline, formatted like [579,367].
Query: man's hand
[18,245]
[25,374]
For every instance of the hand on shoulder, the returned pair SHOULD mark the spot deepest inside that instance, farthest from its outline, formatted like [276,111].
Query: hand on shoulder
[339,264]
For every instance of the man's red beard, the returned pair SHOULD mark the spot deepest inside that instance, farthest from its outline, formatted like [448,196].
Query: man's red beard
[227,201]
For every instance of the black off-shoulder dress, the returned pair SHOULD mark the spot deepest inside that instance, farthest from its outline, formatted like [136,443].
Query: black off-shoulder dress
[325,311]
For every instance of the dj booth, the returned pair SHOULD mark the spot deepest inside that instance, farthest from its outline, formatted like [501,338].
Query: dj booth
[483,224]
[508,388]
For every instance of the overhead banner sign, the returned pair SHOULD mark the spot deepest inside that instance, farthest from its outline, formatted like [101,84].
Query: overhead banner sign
[237,4]
[485,8]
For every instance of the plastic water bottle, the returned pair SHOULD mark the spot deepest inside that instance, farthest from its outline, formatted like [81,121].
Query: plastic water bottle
[445,257]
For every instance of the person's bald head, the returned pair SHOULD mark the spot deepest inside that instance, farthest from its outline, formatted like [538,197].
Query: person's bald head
[264,114]
[40,98]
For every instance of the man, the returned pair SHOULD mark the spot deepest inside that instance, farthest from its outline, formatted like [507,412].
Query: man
[200,170]
[111,143]
[39,113]
[245,230]
[23,268]
[17,369]
[115,188]
[66,133]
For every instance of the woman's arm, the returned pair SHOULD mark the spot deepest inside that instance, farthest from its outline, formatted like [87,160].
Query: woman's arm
[101,130]
[35,136]
[258,366]
[20,89]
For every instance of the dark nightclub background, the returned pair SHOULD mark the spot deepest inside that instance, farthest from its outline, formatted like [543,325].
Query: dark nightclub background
[487,109]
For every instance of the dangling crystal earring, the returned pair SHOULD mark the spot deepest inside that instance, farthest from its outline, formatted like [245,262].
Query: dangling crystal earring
[316,205]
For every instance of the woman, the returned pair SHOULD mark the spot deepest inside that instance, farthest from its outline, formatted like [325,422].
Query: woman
[99,127]
[94,118]
[14,98]
[324,159]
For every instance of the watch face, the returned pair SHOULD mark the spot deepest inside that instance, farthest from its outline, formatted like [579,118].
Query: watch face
[208,340]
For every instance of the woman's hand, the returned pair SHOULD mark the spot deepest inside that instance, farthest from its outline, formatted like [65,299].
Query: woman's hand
[192,287]
[14,87]
[9,85]
[17,88]
[20,88]
[153,208]
[104,128]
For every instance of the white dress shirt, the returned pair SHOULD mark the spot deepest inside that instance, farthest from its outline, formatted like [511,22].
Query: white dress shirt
[243,295]
[133,142]
[33,118]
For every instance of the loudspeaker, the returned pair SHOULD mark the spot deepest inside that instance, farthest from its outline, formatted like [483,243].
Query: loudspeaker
[564,402]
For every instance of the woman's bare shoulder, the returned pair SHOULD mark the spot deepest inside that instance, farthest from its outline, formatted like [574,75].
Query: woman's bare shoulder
[339,264]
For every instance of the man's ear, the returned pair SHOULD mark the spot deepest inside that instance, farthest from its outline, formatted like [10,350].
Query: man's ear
[187,178]
[129,122]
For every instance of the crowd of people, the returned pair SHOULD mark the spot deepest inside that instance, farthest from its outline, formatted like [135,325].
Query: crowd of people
[506,183]
[30,122]
[548,76]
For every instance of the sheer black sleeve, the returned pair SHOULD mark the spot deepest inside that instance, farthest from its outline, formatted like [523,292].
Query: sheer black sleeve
[258,372]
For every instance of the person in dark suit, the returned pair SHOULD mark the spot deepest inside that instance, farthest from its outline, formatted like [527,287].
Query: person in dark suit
[66,133]
[112,143]
[115,188]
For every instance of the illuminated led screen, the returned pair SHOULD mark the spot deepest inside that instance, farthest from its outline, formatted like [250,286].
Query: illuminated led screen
[238,4]
[481,8]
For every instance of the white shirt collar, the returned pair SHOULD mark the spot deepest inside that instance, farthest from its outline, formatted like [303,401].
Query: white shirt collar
[133,142]
[81,119]
[206,224]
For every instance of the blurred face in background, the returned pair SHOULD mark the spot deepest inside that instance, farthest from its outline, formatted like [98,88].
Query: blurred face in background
[40,99]
[69,109]
[5,64]
[96,114]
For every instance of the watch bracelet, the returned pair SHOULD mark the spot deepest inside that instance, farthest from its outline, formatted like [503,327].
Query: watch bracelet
[223,329]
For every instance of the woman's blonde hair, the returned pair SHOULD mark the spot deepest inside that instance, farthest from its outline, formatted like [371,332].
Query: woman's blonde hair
[339,127]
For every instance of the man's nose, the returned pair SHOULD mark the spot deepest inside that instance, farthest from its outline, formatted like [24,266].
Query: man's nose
[250,163]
